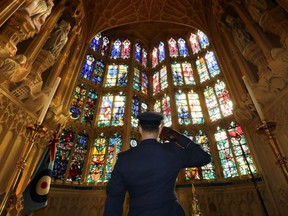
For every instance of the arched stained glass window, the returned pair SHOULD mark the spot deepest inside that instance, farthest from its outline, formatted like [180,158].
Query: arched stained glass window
[96,41]
[87,68]
[89,108]
[161,52]
[116,49]
[62,156]
[182,73]
[154,57]
[144,57]
[195,108]
[114,147]
[99,151]
[241,150]
[78,157]
[173,49]
[78,101]
[225,154]
[137,52]
[117,76]
[212,104]
[98,72]
[212,64]
[104,46]
[202,69]
[207,171]
[203,39]
[126,49]
[194,43]
[222,93]
[183,50]
[182,108]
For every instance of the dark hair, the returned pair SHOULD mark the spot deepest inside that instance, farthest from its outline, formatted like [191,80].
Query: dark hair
[151,128]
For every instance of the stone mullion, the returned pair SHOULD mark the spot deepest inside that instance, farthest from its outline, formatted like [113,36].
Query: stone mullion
[8,8]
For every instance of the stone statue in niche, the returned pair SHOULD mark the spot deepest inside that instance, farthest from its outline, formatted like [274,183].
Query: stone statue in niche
[58,38]
[241,37]
[12,69]
[256,8]
[37,12]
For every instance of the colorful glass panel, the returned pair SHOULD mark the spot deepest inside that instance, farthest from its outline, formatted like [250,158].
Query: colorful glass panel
[173,49]
[144,57]
[188,73]
[154,57]
[144,83]
[182,108]
[78,157]
[96,41]
[223,96]
[202,69]
[89,107]
[195,108]
[98,72]
[78,101]
[163,78]
[136,79]
[166,107]
[116,49]
[203,39]
[126,49]
[161,52]
[156,83]
[212,64]
[62,156]
[177,74]
[122,76]
[111,76]
[118,110]
[212,104]
[87,67]
[183,50]
[225,154]
[105,111]
[137,52]
[135,111]
[105,46]
[194,43]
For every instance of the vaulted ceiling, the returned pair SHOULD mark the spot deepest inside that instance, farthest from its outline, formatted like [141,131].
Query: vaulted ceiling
[147,19]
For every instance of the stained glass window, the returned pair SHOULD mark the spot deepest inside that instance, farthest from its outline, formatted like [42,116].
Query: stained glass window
[89,107]
[157,106]
[114,147]
[173,49]
[212,64]
[144,57]
[163,78]
[87,67]
[78,157]
[195,108]
[207,171]
[154,57]
[183,50]
[137,52]
[203,39]
[166,107]
[96,41]
[98,72]
[97,163]
[182,74]
[225,154]
[194,43]
[182,108]
[212,104]
[144,83]
[126,48]
[62,156]
[136,79]
[78,101]
[137,107]
[241,150]
[156,83]
[105,46]
[202,69]
[117,75]
[222,93]
[161,52]
[118,111]
[116,49]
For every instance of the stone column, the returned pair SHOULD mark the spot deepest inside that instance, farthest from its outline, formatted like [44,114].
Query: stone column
[8,8]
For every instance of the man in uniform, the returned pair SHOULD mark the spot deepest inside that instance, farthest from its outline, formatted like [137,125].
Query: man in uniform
[149,171]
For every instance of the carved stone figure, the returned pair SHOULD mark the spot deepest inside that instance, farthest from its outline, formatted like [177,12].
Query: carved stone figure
[37,12]
[241,37]
[58,38]
[244,111]
[12,69]
[256,8]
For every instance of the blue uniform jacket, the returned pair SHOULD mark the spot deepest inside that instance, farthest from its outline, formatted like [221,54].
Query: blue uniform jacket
[148,172]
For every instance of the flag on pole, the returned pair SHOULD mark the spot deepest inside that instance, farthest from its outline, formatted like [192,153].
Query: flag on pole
[36,194]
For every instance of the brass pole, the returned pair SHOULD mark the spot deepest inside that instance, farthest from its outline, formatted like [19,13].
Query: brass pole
[35,131]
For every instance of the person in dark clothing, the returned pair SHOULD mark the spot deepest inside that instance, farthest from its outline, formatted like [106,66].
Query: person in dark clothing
[149,171]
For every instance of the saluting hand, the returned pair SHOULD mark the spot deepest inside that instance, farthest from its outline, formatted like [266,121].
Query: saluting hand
[169,134]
